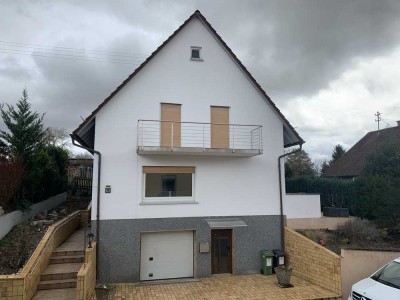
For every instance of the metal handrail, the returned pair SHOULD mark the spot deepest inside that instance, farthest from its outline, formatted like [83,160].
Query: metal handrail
[197,134]
[61,224]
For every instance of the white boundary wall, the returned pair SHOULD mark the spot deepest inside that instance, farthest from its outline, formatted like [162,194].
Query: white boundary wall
[8,221]
[301,205]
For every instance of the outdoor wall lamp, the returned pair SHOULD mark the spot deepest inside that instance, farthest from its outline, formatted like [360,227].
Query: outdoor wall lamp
[90,238]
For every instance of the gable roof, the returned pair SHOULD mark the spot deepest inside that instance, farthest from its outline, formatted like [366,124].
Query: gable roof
[352,162]
[85,132]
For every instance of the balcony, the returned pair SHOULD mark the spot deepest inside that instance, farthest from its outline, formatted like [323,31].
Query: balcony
[193,138]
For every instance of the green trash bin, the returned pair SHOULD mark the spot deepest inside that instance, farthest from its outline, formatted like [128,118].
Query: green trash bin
[266,260]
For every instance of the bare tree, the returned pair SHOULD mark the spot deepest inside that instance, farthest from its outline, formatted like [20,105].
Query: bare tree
[58,137]
[84,155]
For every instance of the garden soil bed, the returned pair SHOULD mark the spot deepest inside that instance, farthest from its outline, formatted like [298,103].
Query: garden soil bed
[19,244]
[334,241]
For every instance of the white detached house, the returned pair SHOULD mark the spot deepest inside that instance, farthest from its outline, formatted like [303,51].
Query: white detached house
[189,176]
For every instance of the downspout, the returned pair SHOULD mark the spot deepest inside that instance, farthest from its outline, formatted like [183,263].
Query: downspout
[281,194]
[73,137]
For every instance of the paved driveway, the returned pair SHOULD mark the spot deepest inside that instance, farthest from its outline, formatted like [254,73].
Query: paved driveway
[226,287]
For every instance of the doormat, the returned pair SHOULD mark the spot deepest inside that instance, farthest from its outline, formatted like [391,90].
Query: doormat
[284,286]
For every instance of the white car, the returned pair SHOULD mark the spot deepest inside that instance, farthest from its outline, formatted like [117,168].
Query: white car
[382,285]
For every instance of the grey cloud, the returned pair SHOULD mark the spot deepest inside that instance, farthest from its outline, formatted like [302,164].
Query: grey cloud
[300,46]
[12,69]
[72,90]
[293,48]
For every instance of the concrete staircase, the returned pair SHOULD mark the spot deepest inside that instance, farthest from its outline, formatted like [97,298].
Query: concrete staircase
[58,281]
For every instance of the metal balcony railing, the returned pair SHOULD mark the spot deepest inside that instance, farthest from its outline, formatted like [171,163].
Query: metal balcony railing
[155,135]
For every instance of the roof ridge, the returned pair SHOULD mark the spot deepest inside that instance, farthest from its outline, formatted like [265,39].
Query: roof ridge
[379,130]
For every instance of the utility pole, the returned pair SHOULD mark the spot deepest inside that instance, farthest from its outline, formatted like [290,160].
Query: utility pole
[378,118]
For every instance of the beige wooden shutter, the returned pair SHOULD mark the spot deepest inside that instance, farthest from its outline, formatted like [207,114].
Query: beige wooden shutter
[170,131]
[219,133]
[168,170]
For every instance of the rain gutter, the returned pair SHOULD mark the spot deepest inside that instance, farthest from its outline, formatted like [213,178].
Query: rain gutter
[281,193]
[74,138]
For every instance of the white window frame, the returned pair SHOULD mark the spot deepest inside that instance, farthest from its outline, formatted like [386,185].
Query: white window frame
[168,200]
[200,53]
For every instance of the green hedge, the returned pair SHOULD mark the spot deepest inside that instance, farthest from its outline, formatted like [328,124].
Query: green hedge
[334,192]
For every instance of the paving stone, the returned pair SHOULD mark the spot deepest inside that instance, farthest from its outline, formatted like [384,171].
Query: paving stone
[223,287]
[59,294]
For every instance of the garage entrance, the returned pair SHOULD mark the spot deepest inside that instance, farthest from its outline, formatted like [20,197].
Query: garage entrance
[166,255]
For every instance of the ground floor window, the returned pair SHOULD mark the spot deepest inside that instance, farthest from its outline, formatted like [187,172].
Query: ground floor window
[168,183]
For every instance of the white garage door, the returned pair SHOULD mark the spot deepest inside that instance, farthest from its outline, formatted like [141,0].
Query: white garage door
[166,255]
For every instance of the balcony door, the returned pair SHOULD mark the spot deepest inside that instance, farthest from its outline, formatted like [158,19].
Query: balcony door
[170,125]
[219,127]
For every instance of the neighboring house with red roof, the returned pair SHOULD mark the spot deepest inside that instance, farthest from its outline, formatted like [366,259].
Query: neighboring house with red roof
[351,164]
[190,145]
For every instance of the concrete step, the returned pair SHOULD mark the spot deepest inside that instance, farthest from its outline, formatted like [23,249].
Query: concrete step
[59,294]
[61,271]
[57,284]
[61,252]
[67,259]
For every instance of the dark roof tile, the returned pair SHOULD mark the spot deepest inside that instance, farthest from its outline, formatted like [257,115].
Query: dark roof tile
[352,162]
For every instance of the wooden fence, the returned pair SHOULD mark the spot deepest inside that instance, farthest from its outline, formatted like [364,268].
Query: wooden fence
[83,183]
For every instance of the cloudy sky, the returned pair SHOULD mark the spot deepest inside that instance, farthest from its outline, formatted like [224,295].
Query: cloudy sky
[328,65]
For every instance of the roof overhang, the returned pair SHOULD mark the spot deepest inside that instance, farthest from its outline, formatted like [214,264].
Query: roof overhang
[290,137]
[85,134]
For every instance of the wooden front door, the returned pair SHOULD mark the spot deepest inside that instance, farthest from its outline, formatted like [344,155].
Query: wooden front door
[221,251]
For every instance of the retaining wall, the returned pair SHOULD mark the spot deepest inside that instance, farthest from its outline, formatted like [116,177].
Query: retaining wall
[313,262]
[23,286]
[8,221]
[86,279]
[316,223]
[302,205]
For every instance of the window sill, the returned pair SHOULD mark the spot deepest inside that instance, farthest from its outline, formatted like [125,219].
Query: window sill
[196,59]
[167,202]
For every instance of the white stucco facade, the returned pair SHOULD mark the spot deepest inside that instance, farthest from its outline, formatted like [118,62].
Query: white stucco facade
[223,186]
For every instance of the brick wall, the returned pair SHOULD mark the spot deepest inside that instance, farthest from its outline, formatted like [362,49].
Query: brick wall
[11,287]
[313,262]
[23,286]
[85,216]
[87,275]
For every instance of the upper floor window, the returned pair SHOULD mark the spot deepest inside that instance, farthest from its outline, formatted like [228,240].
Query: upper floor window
[196,53]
